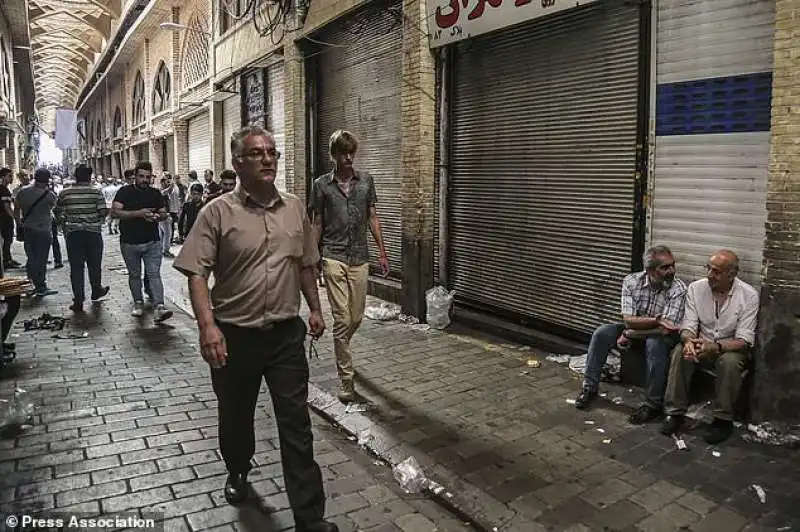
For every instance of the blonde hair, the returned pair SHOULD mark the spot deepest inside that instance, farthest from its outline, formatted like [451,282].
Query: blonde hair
[342,142]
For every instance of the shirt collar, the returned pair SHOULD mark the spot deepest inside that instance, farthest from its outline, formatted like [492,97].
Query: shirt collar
[332,176]
[245,196]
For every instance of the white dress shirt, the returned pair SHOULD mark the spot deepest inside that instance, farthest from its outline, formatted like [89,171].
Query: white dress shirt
[735,319]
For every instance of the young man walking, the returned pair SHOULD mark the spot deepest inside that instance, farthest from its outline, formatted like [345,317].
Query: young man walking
[140,208]
[250,327]
[343,209]
[81,210]
[34,214]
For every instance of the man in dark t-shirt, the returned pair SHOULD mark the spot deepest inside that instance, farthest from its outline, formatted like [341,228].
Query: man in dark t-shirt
[7,218]
[140,208]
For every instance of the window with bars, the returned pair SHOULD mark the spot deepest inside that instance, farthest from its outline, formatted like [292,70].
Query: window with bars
[118,122]
[230,11]
[137,102]
[5,82]
[195,54]
[161,89]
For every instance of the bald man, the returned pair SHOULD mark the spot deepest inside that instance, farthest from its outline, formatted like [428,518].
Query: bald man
[718,330]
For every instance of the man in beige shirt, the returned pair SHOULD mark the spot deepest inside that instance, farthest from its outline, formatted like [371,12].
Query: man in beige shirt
[718,330]
[257,242]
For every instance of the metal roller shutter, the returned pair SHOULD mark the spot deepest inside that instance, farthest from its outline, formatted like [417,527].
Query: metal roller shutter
[276,118]
[544,130]
[714,76]
[231,122]
[200,144]
[359,85]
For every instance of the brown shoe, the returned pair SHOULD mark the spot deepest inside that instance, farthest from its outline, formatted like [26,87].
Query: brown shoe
[347,392]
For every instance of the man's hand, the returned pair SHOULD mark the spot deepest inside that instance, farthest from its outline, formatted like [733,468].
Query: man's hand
[689,351]
[668,326]
[707,348]
[316,324]
[384,262]
[212,346]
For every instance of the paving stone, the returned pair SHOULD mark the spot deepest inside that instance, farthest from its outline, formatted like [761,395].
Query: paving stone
[138,499]
[48,486]
[123,472]
[608,493]
[720,519]
[655,497]
[671,517]
[115,448]
[91,493]
[415,523]
[86,466]
[161,479]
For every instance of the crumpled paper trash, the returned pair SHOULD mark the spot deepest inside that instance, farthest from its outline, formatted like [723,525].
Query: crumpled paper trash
[610,371]
[410,476]
[384,311]
[773,434]
[17,411]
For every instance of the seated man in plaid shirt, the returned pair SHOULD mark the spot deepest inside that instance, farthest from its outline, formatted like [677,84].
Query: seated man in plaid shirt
[652,307]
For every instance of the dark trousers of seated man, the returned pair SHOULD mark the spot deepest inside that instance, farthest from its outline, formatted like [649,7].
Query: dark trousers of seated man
[276,355]
[728,367]
[656,352]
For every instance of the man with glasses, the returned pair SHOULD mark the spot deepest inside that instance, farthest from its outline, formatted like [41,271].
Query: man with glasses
[652,308]
[718,331]
[258,244]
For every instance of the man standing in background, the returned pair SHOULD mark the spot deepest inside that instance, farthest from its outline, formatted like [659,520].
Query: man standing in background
[34,214]
[109,191]
[7,218]
[80,210]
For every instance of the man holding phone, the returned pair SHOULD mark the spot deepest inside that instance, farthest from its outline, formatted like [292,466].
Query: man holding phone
[343,209]
[140,208]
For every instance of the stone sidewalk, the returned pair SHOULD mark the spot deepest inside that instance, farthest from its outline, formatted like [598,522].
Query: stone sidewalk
[503,439]
[126,421]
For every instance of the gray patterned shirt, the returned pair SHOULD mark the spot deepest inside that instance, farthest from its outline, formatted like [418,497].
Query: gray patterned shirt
[641,298]
[344,217]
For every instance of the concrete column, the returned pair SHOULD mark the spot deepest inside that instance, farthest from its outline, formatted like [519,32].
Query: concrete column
[418,127]
[181,128]
[217,139]
[777,376]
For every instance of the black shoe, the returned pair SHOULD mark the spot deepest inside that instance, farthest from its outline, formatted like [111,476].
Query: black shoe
[101,294]
[58,265]
[585,398]
[76,307]
[236,488]
[719,431]
[644,414]
[672,425]
[319,526]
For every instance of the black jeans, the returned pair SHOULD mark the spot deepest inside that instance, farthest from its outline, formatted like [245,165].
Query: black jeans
[57,259]
[7,232]
[11,314]
[84,248]
[37,248]
[278,356]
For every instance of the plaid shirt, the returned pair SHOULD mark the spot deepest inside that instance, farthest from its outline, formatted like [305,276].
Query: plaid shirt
[640,298]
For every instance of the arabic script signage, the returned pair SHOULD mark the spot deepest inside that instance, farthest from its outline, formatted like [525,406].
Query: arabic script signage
[450,21]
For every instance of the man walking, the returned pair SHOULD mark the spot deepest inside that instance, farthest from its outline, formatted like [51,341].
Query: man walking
[34,214]
[343,207]
[257,242]
[110,190]
[7,218]
[140,208]
[652,309]
[80,210]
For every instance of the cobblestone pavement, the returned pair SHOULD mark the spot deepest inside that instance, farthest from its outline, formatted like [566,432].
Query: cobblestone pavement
[126,420]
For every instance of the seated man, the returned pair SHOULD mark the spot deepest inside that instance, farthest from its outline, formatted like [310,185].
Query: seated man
[652,306]
[718,330]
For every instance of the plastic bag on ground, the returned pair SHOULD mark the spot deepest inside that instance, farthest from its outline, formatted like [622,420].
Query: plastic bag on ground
[384,311]
[16,411]
[409,475]
[439,302]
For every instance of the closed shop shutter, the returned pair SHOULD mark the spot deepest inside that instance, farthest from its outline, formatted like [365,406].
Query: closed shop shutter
[276,118]
[714,63]
[544,130]
[359,85]
[200,144]
[231,122]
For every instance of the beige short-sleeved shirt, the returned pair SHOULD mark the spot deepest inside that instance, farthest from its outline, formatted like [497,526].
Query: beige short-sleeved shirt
[255,252]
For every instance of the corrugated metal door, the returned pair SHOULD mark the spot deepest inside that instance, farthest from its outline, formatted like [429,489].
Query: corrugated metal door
[231,122]
[544,130]
[713,69]
[359,85]
[200,144]
[276,118]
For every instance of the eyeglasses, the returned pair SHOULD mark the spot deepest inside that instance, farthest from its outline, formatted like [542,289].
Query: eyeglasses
[259,155]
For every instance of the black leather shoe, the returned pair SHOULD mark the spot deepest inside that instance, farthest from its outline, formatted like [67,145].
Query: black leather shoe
[585,398]
[236,488]
[644,414]
[97,296]
[319,526]
[672,425]
[719,431]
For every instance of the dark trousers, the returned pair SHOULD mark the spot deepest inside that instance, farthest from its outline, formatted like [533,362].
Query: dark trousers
[11,314]
[37,248]
[84,249]
[278,356]
[57,259]
[7,232]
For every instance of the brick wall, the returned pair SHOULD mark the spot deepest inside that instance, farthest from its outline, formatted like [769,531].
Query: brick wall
[295,116]
[777,383]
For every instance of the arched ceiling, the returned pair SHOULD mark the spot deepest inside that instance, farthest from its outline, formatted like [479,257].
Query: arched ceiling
[65,36]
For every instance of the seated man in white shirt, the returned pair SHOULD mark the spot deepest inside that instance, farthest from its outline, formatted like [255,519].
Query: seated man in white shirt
[718,329]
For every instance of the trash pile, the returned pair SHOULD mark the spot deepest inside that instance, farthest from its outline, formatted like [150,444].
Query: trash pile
[45,322]
[773,434]
[412,479]
[16,413]
[385,311]
[440,306]
[609,373]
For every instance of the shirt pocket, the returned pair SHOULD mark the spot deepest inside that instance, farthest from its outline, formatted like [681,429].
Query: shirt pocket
[294,243]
